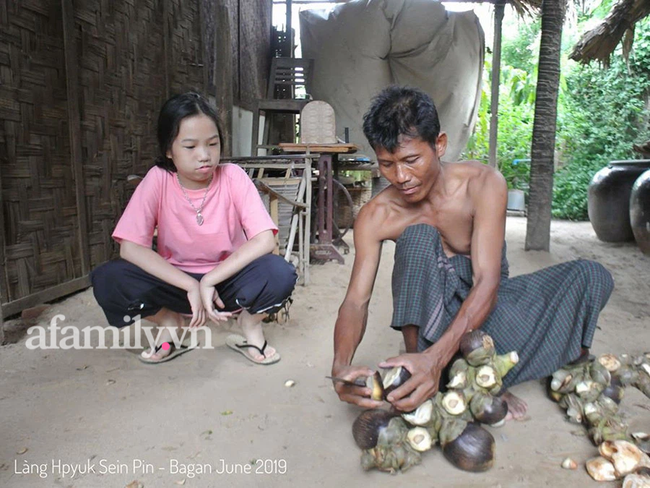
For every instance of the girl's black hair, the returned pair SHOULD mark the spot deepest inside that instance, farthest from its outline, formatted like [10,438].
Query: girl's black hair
[172,113]
[400,110]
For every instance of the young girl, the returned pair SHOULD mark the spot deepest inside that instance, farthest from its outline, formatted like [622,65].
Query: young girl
[214,243]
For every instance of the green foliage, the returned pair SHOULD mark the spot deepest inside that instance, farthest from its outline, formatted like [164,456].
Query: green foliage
[516,100]
[600,11]
[520,84]
[477,146]
[601,112]
[570,191]
[522,51]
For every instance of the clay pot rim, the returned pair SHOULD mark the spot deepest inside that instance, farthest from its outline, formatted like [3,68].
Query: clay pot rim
[633,162]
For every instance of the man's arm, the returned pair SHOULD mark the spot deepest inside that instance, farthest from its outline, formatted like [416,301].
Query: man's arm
[353,313]
[489,195]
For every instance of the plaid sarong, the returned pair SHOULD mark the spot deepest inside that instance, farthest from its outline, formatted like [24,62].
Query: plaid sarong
[546,316]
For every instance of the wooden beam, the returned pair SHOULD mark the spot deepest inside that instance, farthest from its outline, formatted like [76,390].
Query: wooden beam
[318,148]
[223,75]
[46,295]
[307,2]
[499,9]
[289,27]
[4,282]
[166,52]
[205,50]
[74,128]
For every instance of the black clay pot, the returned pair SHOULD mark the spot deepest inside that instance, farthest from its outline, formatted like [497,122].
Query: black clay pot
[609,199]
[640,212]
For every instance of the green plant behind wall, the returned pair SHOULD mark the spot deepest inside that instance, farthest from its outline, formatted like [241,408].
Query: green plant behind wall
[601,112]
[604,112]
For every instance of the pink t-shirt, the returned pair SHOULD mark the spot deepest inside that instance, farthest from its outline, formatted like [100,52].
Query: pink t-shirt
[233,212]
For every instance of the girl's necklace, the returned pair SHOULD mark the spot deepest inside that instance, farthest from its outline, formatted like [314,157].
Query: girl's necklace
[199,217]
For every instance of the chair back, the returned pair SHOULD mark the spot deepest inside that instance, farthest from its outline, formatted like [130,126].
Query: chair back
[284,183]
[287,74]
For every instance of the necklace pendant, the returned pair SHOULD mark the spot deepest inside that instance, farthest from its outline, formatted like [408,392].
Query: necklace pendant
[199,218]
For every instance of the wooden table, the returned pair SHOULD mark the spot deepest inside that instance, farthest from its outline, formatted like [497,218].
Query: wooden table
[324,249]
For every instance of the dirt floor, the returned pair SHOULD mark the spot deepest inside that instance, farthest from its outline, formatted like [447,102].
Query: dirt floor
[211,406]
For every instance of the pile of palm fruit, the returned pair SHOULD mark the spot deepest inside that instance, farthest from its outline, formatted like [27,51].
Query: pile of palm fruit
[392,442]
[591,391]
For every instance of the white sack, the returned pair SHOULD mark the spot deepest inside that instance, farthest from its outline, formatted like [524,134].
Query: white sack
[363,46]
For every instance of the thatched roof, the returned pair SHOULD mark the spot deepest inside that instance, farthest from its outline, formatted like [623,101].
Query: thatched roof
[599,43]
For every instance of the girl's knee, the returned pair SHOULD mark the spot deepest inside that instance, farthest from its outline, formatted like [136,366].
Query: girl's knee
[283,277]
[279,275]
[106,277]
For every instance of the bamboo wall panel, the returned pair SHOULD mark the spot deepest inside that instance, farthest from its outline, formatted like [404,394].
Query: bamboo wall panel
[38,194]
[121,80]
[95,72]
[123,86]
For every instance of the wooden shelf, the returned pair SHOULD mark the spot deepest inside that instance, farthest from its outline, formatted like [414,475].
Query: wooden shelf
[318,148]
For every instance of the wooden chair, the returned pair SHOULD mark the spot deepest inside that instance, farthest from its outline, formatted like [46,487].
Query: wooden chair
[286,74]
[284,183]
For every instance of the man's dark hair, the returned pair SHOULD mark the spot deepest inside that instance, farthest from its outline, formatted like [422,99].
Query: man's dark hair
[400,110]
[172,114]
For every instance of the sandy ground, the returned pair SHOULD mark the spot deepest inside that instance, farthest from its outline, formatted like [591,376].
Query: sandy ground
[213,406]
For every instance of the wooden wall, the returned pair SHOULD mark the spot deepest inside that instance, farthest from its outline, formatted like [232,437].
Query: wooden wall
[81,83]
[251,47]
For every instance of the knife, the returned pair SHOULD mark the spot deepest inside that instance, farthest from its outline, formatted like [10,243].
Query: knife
[346,382]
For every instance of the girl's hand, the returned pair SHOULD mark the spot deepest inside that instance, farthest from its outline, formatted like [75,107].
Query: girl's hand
[198,312]
[210,296]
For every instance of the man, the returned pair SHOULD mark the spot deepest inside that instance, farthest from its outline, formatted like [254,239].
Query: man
[451,273]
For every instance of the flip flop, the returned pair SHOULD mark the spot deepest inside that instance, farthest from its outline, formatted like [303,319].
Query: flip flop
[186,346]
[239,344]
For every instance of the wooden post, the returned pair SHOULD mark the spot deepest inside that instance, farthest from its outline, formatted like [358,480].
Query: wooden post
[4,286]
[74,127]
[223,75]
[289,28]
[204,26]
[308,199]
[166,50]
[4,283]
[499,8]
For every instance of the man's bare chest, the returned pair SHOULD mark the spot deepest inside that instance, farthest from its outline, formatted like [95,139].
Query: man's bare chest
[454,224]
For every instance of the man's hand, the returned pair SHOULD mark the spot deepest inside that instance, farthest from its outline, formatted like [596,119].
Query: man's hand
[423,383]
[210,297]
[356,395]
